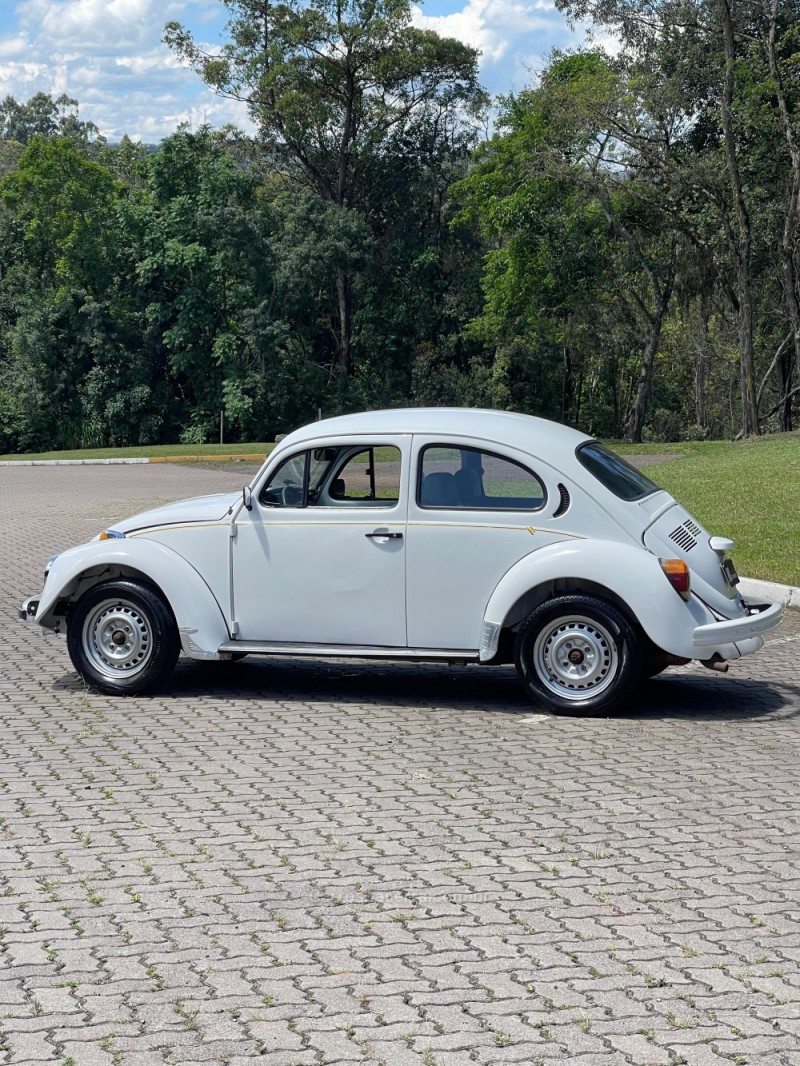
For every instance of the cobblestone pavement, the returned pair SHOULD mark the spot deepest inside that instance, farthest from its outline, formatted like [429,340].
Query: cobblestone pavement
[293,863]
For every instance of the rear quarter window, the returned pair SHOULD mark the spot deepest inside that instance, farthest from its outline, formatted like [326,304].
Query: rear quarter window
[461,478]
[611,470]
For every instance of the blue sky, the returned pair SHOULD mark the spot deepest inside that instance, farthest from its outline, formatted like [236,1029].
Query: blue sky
[109,56]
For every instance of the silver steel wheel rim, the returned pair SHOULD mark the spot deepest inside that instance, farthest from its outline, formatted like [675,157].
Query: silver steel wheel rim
[117,639]
[575,658]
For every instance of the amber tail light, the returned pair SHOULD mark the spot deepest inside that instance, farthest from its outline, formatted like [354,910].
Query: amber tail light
[678,576]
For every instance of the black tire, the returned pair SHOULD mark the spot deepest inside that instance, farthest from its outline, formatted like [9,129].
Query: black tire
[577,654]
[122,638]
[652,669]
[655,662]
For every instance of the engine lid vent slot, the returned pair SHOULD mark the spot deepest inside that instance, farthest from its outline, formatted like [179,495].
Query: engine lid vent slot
[684,535]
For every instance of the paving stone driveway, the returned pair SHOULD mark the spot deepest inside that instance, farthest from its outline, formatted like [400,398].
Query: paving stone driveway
[282,862]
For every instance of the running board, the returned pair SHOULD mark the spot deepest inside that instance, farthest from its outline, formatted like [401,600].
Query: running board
[344,651]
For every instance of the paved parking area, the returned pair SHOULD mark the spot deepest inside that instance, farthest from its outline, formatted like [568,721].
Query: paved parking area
[292,863]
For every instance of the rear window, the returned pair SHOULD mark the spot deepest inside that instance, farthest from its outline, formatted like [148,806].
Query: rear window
[612,471]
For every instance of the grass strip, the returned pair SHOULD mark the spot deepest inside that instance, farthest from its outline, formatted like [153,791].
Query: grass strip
[161,452]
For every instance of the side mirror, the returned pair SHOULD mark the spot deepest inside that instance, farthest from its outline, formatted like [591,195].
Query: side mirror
[247,498]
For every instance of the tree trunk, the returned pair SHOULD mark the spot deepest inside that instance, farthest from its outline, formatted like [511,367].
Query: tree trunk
[790,358]
[786,375]
[741,244]
[747,374]
[701,365]
[567,383]
[635,422]
[344,296]
[661,290]
[662,294]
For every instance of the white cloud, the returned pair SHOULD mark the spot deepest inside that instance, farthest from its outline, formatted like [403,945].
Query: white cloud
[14,46]
[495,27]
[108,55]
[91,25]
[152,62]
[23,79]
[514,37]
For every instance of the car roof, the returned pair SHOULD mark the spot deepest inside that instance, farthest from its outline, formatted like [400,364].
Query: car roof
[525,432]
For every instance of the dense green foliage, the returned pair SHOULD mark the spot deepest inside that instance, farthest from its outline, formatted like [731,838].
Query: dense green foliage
[621,254]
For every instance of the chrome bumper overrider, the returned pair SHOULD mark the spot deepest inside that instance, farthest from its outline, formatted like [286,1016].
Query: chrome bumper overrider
[765,616]
[28,608]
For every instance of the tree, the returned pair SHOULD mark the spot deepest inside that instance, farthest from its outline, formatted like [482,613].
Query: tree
[57,287]
[582,236]
[725,68]
[780,44]
[328,83]
[44,116]
[199,241]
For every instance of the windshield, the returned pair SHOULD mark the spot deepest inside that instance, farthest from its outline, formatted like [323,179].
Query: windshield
[614,472]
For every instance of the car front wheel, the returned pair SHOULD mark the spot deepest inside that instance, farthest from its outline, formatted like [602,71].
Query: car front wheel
[577,654]
[122,638]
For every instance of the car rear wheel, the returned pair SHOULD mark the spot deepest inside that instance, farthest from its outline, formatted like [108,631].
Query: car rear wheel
[578,654]
[122,638]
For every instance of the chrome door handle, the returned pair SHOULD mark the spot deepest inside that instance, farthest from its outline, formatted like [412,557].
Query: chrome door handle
[384,535]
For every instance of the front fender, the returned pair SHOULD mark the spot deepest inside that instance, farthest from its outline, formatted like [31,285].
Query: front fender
[200,618]
[633,575]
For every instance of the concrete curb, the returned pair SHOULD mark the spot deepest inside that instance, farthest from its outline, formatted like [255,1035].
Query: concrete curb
[71,462]
[127,462]
[771,590]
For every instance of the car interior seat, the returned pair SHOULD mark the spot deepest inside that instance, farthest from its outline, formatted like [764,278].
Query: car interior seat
[438,490]
[469,488]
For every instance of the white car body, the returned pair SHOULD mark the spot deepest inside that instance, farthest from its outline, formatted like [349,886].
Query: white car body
[298,566]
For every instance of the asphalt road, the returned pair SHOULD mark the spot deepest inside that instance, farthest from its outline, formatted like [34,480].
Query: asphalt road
[287,862]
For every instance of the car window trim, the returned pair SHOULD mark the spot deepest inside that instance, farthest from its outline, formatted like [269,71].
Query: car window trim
[346,450]
[465,507]
[585,445]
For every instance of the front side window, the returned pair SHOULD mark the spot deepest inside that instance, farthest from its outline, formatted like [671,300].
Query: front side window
[469,479]
[335,477]
[614,472]
[370,475]
[297,480]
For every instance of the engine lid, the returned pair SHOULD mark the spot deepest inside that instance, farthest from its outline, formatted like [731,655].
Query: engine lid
[675,534]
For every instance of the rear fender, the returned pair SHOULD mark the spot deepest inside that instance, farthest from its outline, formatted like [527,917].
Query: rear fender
[630,577]
[200,619]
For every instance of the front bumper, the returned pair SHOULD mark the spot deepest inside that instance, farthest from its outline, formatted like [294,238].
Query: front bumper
[717,635]
[28,608]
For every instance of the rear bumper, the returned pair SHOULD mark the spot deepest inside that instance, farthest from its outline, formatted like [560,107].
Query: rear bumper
[28,608]
[714,636]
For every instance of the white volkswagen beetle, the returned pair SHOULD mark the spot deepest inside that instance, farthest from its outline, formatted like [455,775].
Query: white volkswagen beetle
[430,534]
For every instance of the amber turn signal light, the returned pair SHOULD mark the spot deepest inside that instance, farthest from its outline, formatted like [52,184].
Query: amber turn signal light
[678,576]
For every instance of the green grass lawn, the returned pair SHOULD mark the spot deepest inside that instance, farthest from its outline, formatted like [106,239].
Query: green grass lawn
[746,490]
[162,451]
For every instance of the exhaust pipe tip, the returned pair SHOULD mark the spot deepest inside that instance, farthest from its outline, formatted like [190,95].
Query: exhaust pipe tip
[716,662]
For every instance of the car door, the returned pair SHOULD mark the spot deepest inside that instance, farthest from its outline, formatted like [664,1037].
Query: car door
[320,557]
[472,515]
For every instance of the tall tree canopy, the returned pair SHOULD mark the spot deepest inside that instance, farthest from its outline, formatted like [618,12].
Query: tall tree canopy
[329,83]
[58,291]
[45,117]
[727,71]
[621,254]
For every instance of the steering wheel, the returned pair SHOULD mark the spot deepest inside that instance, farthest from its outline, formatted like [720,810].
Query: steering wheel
[291,495]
